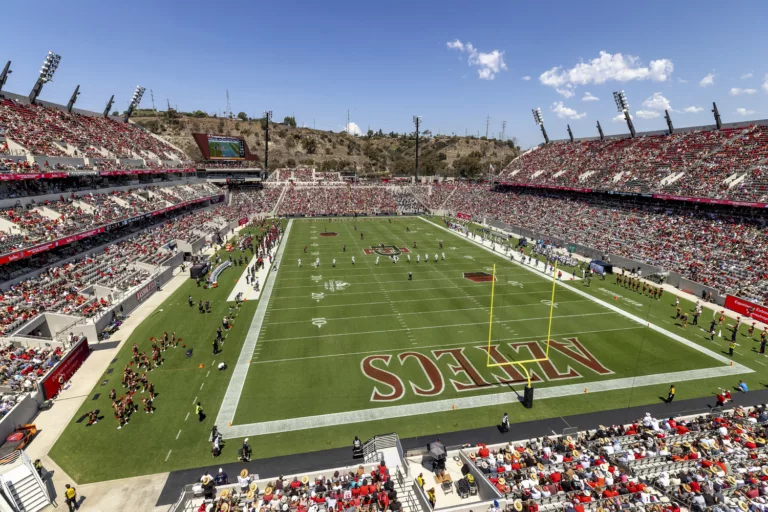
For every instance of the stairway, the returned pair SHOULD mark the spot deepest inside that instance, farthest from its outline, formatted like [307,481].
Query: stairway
[25,489]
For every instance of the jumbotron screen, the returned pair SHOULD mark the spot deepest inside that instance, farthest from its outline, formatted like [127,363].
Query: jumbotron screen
[226,148]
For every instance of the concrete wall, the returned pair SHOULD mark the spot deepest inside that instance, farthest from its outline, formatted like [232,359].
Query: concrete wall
[53,160]
[22,413]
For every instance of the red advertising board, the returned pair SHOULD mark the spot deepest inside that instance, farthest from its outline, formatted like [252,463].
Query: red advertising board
[463,216]
[551,187]
[66,368]
[146,290]
[746,308]
[242,221]
[74,174]
[26,253]
[706,200]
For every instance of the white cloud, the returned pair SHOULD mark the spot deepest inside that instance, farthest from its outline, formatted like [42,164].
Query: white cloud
[620,118]
[656,102]
[352,128]
[647,114]
[737,91]
[692,110]
[456,45]
[526,78]
[708,80]
[682,81]
[746,76]
[489,64]
[564,112]
[604,68]
[588,96]
[745,112]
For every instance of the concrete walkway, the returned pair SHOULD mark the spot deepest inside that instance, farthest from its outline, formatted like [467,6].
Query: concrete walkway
[129,494]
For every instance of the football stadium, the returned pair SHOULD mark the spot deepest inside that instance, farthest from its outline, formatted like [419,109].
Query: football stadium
[203,311]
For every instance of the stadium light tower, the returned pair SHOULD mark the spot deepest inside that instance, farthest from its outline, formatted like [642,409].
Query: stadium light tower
[73,99]
[50,65]
[268,117]
[4,75]
[622,105]
[109,106]
[669,122]
[416,121]
[716,112]
[540,121]
[135,102]
[600,131]
[570,133]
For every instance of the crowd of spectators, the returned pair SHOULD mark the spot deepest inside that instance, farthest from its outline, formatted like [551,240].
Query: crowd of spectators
[21,369]
[723,250]
[47,131]
[715,462]
[50,220]
[721,164]
[249,201]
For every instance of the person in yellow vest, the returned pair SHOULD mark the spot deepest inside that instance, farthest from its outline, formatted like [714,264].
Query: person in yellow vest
[671,394]
[420,480]
[70,495]
[199,412]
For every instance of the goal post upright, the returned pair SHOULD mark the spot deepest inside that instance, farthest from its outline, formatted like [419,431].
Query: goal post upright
[521,364]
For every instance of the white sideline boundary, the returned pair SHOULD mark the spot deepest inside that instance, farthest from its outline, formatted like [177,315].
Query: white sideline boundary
[601,302]
[240,371]
[469,402]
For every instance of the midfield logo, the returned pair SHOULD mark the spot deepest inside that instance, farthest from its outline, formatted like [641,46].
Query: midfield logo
[387,250]
[335,286]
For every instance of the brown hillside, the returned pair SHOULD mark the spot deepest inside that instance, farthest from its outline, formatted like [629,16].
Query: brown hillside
[376,155]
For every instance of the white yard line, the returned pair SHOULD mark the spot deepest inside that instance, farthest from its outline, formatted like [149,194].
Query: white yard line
[544,292]
[186,417]
[469,402]
[442,277]
[462,343]
[446,326]
[169,454]
[240,371]
[634,318]
[440,311]
[177,435]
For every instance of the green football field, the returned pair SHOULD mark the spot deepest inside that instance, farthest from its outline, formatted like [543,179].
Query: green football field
[362,350]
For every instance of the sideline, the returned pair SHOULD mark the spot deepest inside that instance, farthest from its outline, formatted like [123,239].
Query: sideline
[231,400]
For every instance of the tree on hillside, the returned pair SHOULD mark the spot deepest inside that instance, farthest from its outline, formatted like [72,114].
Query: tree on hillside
[310,145]
[242,116]
[198,113]
[369,134]
[468,166]
[290,121]
[115,113]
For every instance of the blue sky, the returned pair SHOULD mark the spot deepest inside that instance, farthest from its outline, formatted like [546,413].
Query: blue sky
[387,61]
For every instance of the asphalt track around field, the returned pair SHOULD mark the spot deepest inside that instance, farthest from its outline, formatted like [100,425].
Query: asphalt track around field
[307,463]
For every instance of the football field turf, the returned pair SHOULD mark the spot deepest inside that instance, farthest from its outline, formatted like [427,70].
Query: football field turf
[332,352]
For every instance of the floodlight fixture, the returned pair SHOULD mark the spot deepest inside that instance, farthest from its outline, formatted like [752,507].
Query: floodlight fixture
[622,105]
[539,119]
[48,69]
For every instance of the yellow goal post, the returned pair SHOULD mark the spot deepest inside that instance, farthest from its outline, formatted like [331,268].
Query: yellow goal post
[521,364]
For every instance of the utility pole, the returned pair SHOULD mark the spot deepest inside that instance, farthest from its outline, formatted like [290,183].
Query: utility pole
[229,107]
[268,117]
[347,121]
[152,95]
[416,121]
[487,121]
[503,129]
